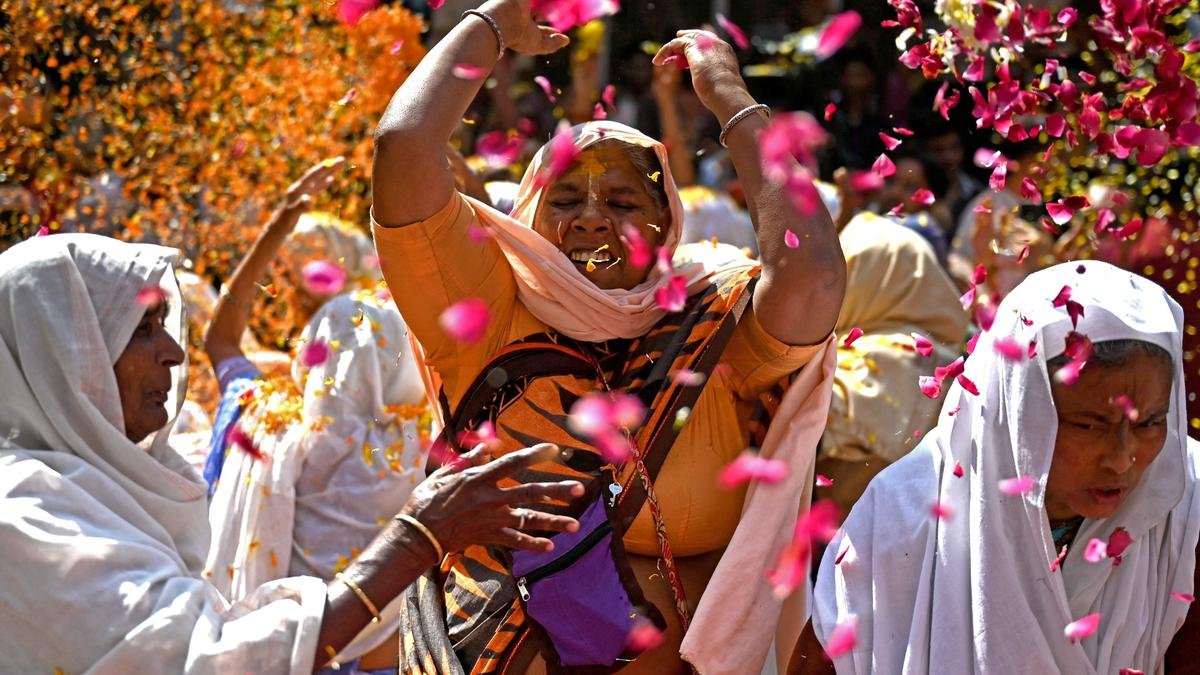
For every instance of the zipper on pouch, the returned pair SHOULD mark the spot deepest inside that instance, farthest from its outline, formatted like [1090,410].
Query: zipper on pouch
[567,559]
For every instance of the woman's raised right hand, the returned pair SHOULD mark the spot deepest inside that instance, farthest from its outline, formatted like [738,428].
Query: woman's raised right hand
[463,504]
[522,34]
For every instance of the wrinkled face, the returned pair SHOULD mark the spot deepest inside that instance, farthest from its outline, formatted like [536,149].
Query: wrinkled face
[587,209]
[144,374]
[1100,454]
[909,177]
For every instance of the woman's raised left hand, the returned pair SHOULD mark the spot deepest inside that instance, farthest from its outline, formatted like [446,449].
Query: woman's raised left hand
[716,75]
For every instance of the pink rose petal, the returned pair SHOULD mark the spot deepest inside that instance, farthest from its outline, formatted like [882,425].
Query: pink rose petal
[561,154]
[839,30]
[1077,630]
[842,638]
[853,335]
[830,109]
[790,239]
[1125,405]
[467,71]
[150,296]
[467,320]
[1017,486]
[824,481]
[1118,541]
[923,196]
[930,386]
[735,33]
[958,470]
[688,378]
[883,166]
[315,353]
[968,385]
[941,511]
[350,11]
[237,437]
[644,636]
[889,142]
[1184,597]
[673,296]
[1095,551]
[323,277]
[922,344]
[544,83]
[639,251]
[750,466]
[1009,349]
[499,149]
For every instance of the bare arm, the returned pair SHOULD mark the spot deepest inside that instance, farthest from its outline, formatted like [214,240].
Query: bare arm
[460,506]
[808,658]
[665,88]
[224,335]
[799,296]
[411,179]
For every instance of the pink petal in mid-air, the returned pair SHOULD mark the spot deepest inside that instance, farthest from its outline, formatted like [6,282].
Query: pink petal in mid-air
[884,166]
[636,246]
[853,335]
[467,71]
[673,296]
[1184,597]
[958,470]
[644,636]
[315,353]
[350,11]
[499,149]
[1125,405]
[562,153]
[922,344]
[1095,551]
[750,466]
[824,481]
[940,511]
[790,239]
[1009,349]
[968,385]
[467,320]
[544,83]
[1077,630]
[923,196]
[323,277]
[1017,486]
[735,32]
[842,638]
[150,296]
[1118,541]
[839,31]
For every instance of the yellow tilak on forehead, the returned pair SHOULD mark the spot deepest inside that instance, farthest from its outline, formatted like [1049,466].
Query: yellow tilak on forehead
[592,166]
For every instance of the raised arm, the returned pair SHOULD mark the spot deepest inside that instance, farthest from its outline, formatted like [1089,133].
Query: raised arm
[799,296]
[411,179]
[224,336]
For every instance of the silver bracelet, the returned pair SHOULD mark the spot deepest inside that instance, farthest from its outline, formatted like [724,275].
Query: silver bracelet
[741,115]
[492,24]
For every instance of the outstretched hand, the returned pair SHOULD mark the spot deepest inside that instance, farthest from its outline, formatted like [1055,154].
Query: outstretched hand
[716,76]
[521,32]
[299,195]
[463,504]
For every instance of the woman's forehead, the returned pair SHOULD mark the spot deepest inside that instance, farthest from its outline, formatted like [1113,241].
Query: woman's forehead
[608,160]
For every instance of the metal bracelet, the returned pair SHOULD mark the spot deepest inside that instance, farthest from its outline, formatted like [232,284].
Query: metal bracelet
[741,115]
[492,24]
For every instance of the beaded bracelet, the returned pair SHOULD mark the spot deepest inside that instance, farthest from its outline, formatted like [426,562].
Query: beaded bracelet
[741,115]
[491,24]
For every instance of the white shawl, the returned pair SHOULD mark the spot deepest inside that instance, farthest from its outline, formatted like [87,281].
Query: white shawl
[331,481]
[102,541]
[974,593]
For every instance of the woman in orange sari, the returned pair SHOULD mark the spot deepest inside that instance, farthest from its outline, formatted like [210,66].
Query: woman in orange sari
[573,312]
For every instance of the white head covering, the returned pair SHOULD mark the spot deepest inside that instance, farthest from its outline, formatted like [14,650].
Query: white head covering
[68,307]
[330,481]
[974,593]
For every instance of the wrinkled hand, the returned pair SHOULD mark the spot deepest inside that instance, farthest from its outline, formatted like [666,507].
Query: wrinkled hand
[716,76]
[299,195]
[462,504]
[521,33]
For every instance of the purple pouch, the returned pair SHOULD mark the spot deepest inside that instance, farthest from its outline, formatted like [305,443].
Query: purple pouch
[578,593]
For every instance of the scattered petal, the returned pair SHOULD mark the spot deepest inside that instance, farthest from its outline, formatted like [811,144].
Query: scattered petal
[930,386]
[790,239]
[238,438]
[883,166]
[968,385]
[150,296]
[824,481]
[644,636]
[1077,630]
[544,83]
[923,196]
[467,71]
[350,11]
[750,466]
[735,33]
[499,149]
[1118,541]
[467,320]
[1096,551]
[843,638]
[323,277]
[1185,597]
[673,296]
[830,109]
[922,344]
[1125,405]
[940,511]
[853,335]
[1009,349]
[958,470]
[688,378]
[315,353]
[889,142]
[839,30]
[1017,486]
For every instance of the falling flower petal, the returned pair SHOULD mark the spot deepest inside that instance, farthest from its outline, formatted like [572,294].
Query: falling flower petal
[467,71]
[467,320]
[1010,349]
[673,296]
[1118,541]
[958,470]
[150,296]
[609,96]
[640,253]
[839,30]
[564,15]
[544,83]
[790,239]
[688,378]
[1185,597]
[843,638]
[853,335]
[922,344]
[238,438]
[1125,405]
[1129,229]
[350,11]
[1096,551]
[315,353]
[883,166]
[644,636]
[750,466]
[824,481]
[889,142]
[1077,630]
[735,33]
[968,385]
[940,511]
[830,109]
[1017,486]
[322,277]
[819,523]
[923,196]
[930,386]
[562,153]
[499,149]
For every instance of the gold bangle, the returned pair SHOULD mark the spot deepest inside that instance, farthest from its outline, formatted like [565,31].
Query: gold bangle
[361,595]
[437,547]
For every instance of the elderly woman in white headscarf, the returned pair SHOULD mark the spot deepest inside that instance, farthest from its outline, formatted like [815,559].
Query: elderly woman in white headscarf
[1049,522]
[103,530]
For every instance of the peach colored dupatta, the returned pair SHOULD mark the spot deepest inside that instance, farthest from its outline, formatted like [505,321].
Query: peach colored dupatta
[552,288]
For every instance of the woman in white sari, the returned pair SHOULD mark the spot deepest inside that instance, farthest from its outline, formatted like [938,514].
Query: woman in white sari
[1039,509]
[103,529]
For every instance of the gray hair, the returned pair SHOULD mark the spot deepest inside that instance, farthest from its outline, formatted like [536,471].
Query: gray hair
[1116,353]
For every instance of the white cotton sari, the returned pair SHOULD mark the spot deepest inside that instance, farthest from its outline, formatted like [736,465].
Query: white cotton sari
[102,541]
[974,593]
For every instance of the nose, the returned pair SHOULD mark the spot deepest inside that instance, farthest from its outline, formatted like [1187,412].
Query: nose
[170,354]
[1120,455]
[591,220]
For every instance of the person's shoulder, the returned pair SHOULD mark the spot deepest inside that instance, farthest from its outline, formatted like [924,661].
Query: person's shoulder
[899,499]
